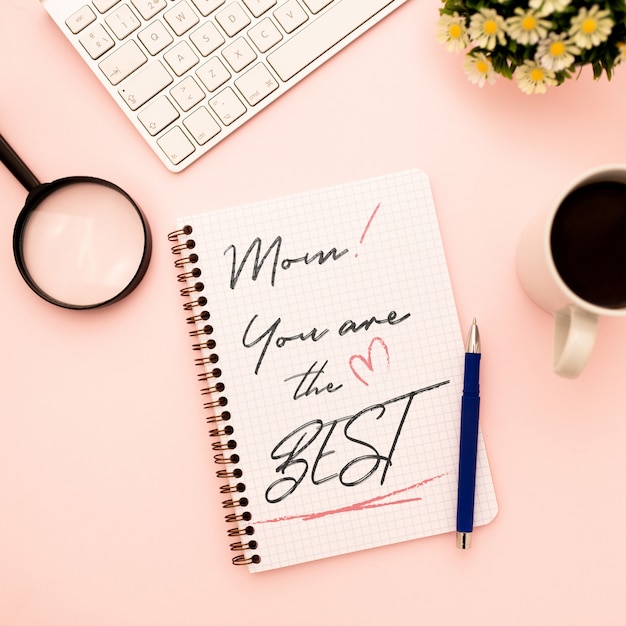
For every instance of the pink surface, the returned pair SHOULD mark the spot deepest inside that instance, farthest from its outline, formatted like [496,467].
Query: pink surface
[110,512]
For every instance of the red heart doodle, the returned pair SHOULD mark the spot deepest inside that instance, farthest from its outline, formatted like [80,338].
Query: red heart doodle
[368,362]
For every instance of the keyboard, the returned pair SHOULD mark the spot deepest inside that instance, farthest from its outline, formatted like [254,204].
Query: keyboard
[188,73]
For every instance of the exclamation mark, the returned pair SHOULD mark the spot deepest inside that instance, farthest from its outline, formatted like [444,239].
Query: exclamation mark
[369,223]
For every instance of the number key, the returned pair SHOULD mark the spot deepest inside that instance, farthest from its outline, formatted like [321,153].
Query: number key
[122,22]
[148,8]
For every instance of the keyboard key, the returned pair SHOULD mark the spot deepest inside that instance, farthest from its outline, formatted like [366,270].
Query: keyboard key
[149,8]
[206,38]
[258,7]
[256,84]
[202,126]
[233,19]
[208,6]
[315,6]
[104,5]
[227,106]
[123,62]
[187,93]
[181,58]
[181,18]
[81,19]
[175,145]
[122,22]
[145,84]
[213,74]
[321,35]
[265,35]
[96,41]
[157,115]
[155,38]
[290,15]
[239,54]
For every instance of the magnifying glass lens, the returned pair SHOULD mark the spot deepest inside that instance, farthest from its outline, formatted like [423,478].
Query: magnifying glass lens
[84,244]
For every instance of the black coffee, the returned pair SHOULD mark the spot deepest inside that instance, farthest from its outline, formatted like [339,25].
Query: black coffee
[588,242]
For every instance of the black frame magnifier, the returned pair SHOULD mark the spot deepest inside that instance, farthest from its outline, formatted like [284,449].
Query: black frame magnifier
[79,242]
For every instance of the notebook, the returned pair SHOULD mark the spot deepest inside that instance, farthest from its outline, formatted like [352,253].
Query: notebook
[331,363]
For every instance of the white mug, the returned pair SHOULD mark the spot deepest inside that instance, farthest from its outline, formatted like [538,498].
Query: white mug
[571,260]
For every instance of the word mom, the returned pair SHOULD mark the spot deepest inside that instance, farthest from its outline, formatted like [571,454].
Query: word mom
[274,249]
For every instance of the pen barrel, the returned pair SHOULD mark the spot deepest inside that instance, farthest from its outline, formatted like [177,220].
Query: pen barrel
[470,408]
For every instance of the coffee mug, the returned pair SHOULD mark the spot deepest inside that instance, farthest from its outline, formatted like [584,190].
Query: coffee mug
[571,260]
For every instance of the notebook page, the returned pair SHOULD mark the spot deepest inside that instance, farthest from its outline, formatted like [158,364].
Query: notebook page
[342,360]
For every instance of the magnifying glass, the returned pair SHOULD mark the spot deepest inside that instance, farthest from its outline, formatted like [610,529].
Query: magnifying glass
[79,242]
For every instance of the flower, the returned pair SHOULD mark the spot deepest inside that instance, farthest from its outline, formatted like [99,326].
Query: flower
[591,27]
[533,78]
[487,28]
[539,43]
[547,7]
[479,69]
[451,31]
[526,27]
[556,52]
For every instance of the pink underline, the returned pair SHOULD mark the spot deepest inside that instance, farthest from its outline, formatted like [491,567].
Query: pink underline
[372,503]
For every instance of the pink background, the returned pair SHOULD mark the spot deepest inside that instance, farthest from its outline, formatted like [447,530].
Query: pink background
[109,506]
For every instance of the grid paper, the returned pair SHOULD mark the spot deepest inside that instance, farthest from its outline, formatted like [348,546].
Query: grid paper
[342,358]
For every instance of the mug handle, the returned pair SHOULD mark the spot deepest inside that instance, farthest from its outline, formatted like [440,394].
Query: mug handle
[574,336]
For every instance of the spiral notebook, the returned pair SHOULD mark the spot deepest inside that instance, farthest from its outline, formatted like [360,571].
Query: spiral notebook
[331,359]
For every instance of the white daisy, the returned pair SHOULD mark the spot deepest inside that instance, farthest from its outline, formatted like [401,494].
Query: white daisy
[479,69]
[547,7]
[591,27]
[452,32]
[526,27]
[487,28]
[556,52]
[534,78]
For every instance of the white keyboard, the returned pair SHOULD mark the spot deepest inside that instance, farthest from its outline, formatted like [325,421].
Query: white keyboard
[188,73]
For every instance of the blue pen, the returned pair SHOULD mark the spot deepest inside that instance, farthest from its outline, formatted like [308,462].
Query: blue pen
[470,407]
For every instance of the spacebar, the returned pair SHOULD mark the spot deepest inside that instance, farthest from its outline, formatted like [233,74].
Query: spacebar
[322,34]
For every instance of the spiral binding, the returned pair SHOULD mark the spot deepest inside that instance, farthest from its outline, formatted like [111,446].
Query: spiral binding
[225,444]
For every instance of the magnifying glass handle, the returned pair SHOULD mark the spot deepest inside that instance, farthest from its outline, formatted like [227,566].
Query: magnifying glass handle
[16,166]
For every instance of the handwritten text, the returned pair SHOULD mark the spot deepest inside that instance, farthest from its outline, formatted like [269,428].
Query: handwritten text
[335,450]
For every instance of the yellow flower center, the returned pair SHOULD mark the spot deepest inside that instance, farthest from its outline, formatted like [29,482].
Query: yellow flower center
[455,31]
[536,75]
[529,23]
[557,48]
[589,26]
[482,67]
[491,28]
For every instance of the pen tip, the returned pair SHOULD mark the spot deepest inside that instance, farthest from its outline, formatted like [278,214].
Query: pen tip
[473,339]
